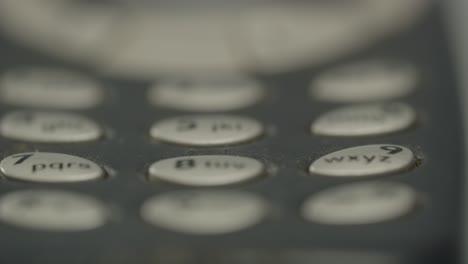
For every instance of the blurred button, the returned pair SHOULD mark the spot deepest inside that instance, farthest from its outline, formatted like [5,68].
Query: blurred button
[360,203]
[365,81]
[365,120]
[207,95]
[205,212]
[363,161]
[50,167]
[50,210]
[153,43]
[49,88]
[49,127]
[207,130]
[210,170]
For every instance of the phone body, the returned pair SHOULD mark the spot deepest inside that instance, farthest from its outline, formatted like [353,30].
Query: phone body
[283,178]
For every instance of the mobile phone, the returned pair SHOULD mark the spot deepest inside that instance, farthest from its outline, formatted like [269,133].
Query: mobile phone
[229,132]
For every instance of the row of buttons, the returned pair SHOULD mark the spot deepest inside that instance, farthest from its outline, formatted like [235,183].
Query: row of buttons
[208,212]
[209,170]
[363,81]
[207,130]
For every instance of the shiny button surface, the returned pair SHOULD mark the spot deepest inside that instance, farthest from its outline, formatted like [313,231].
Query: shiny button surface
[206,95]
[365,120]
[207,130]
[51,210]
[208,170]
[205,212]
[360,203]
[49,88]
[366,81]
[49,127]
[50,167]
[365,160]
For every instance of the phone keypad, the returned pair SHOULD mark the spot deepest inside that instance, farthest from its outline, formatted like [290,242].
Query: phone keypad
[50,168]
[207,130]
[208,170]
[205,212]
[361,161]
[360,203]
[365,120]
[52,210]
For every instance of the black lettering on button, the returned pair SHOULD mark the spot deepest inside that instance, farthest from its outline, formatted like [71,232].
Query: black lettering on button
[185,164]
[334,159]
[369,159]
[385,159]
[22,159]
[217,127]
[224,165]
[353,158]
[38,167]
[186,125]
[392,149]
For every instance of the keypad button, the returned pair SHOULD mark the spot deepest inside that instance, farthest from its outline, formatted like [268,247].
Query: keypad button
[49,88]
[205,212]
[207,130]
[374,80]
[365,120]
[49,127]
[50,210]
[50,167]
[360,203]
[205,95]
[210,170]
[364,161]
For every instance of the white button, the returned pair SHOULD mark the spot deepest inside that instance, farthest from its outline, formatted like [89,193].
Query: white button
[364,161]
[365,81]
[49,88]
[207,95]
[50,167]
[360,203]
[166,42]
[364,120]
[49,127]
[50,210]
[205,212]
[210,130]
[211,170]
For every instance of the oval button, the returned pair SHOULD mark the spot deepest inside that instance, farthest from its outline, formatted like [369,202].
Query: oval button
[364,161]
[365,81]
[210,170]
[49,210]
[49,127]
[365,120]
[360,203]
[50,167]
[205,212]
[206,131]
[205,95]
[49,88]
